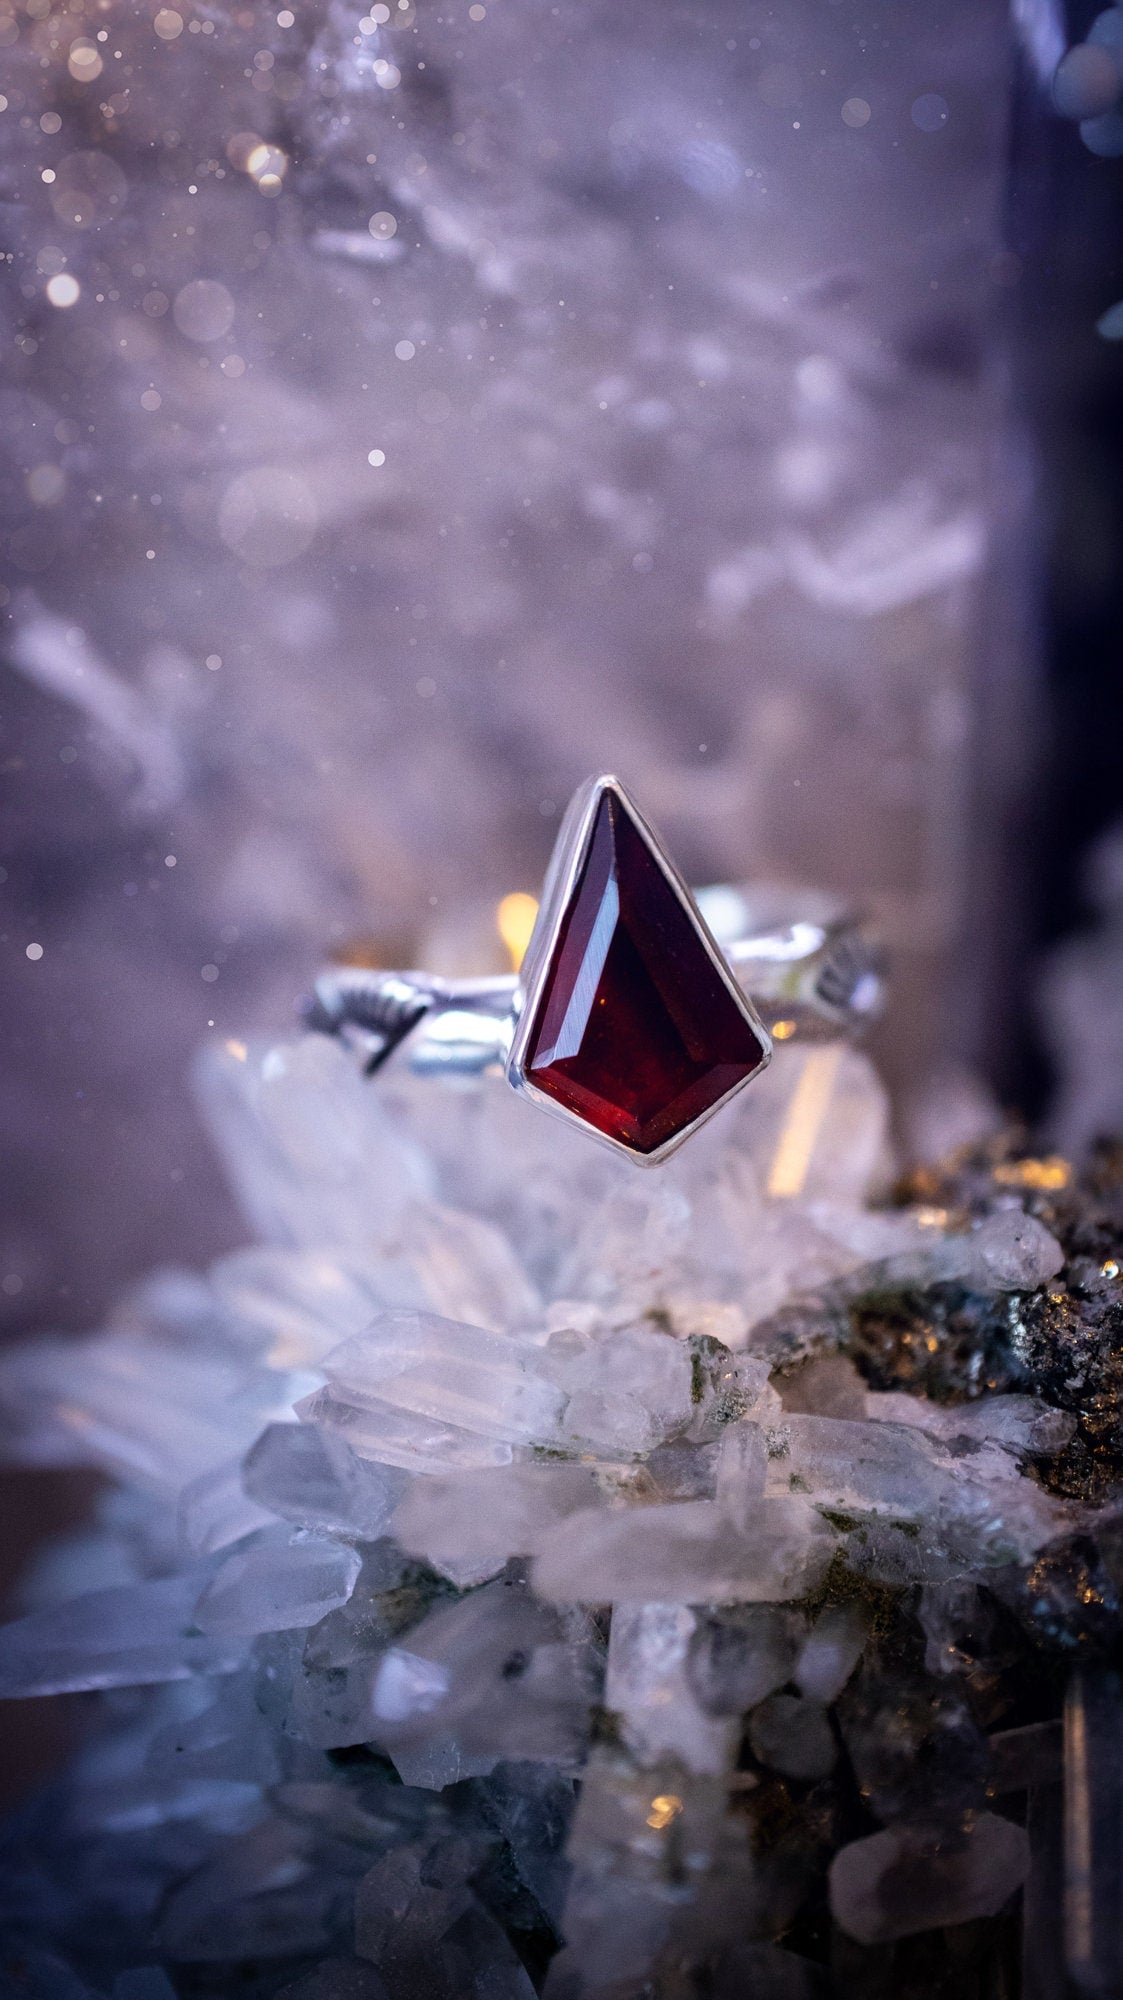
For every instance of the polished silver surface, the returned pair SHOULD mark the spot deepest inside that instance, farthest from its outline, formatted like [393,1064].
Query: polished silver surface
[814,980]
[808,972]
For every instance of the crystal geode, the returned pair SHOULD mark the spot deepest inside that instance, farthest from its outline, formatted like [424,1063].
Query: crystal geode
[519,1573]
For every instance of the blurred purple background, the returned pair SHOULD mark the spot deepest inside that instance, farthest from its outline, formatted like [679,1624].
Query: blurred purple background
[408,413]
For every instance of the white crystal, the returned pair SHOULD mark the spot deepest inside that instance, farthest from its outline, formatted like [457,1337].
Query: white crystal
[391,1436]
[298,1304]
[417,1917]
[831,1652]
[448,1373]
[496,1674]
[534,1180]
[406,1686]
[311,1154]
[440,1760]
[277,1890]
[477,1958]
[468,1525]
[707,1236]
[816,1128]
[860,1467]
[273,1586]
[224,1736]
[331,1691]
[147,1411]
[321,1165]
[1017,1423]
[650,1849]
[214,1510]
[400,1916]
[897,1883]
[648,1688]
[742,1472]
[973,1502]
[741,1653]
[425,1393]
[136,1634]
[629,1390]
[308,1475]
[684,1553]
[1008,1252]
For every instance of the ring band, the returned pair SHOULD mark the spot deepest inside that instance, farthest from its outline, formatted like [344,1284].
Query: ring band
[639,1008]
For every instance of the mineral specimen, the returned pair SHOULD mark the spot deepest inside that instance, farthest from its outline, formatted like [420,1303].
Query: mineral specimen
[500,1591]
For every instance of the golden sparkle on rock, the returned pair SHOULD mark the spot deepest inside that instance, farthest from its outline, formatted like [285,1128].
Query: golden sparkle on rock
[664,1809]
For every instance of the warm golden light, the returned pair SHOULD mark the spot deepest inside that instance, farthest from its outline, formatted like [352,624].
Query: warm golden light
[782,1031]
[1050,1173]
[515,921]
[800,1129]
[238,1050]
[664,1809]
[267,165]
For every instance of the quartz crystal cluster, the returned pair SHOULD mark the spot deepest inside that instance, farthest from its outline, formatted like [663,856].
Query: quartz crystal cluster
[518,1573]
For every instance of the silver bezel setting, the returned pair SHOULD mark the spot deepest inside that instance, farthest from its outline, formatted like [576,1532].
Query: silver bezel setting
[566,863]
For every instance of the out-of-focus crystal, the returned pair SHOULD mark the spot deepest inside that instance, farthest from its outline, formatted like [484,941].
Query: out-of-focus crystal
[1093,1818]
[896,1883]
[740,1653]
[312,1157]
[215,1510]
[915,1748]
[337,1979]
[277,1585]
[136,1634]
[794,1736]
[831,1652]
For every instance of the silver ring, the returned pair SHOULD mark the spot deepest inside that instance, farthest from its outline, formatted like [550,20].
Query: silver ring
[639,1008]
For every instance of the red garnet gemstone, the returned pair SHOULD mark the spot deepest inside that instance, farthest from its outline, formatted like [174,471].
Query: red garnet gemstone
[635,1029]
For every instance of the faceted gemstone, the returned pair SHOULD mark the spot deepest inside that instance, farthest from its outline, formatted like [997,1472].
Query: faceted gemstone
[635,1029]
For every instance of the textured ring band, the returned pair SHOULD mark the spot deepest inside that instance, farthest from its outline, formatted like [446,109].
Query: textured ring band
[639,1008]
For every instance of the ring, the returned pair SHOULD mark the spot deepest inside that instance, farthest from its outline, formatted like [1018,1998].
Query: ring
[639,1009]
